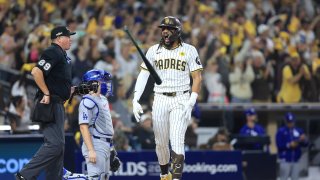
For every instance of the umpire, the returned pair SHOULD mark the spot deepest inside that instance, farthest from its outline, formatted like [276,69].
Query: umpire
[52,75]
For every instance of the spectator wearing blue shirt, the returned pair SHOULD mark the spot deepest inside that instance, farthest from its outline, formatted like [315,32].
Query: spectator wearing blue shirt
[290,139]
[252,128]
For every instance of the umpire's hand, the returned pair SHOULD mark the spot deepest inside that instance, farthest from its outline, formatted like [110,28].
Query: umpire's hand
[92,156]
[45,99]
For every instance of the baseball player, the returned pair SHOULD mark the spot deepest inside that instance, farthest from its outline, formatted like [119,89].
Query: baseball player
[96,124]
[290,139]
[174,61]
[252,128]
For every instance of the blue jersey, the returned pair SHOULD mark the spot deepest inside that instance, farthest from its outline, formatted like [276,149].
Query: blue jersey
[94,111]
[257,130]
[283,138]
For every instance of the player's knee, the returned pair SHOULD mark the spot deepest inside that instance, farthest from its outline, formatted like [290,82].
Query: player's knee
[56,149]
[162,145]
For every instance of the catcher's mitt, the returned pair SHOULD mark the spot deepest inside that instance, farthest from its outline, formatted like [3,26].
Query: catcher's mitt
[115,162]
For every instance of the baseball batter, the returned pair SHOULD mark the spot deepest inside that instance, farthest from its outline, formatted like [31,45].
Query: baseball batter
[96,124]
[173,60]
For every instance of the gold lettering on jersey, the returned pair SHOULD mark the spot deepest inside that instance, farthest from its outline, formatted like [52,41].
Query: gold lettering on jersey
[170,64]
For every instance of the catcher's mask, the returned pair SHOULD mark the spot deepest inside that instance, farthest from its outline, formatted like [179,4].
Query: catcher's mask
[95,77]
[174,26]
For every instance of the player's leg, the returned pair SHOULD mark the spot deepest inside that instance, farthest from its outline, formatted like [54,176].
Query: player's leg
[107,166]
[96,171]
[178,127]
[284,170]
[296,168]
[160,116]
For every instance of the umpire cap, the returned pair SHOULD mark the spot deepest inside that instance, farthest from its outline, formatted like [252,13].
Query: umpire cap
[61,31]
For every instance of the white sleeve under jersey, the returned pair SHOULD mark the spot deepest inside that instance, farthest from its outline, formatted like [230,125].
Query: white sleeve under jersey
[173,66]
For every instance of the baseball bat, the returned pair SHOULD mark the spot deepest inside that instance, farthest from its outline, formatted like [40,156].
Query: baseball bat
[153,72]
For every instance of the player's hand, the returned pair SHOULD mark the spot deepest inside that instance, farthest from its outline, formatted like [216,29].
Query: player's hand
[186,114]
[302,138]
[137,110]
[92,156]
[293,144]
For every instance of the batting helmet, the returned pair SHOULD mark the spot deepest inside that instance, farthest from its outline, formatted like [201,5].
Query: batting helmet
[172,22]
[93,76]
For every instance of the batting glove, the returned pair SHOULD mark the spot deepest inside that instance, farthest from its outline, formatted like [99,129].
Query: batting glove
[186,114]
[137,110]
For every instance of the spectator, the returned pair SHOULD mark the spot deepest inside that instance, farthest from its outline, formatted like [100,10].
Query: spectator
[261,91]
[144,132]
[292,74]
[19,115]
[290,139]
[220,141]
[19,87]
[8,46]
[191,137]
[212,81]
[120,138]
[240,82]
[108,62]
[252,128]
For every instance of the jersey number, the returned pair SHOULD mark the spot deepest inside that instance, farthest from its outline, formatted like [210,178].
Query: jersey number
[46,66]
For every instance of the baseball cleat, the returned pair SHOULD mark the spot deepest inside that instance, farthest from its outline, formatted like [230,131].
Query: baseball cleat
[166,177]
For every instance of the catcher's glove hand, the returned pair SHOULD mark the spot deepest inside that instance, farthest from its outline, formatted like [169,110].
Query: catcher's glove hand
[115,162]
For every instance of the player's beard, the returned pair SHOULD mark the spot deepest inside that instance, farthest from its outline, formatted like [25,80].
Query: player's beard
[168,40]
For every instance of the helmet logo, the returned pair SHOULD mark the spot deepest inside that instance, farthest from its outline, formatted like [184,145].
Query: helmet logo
[167,21]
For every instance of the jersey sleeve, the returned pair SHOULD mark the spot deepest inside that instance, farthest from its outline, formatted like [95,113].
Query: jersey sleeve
[150,56]
[48,60]
[194,60]
[85,111]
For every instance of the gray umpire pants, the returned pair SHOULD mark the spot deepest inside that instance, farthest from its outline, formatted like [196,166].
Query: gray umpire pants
[289,169]
[50,155]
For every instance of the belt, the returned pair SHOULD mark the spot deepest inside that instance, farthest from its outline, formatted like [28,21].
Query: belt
[173,94]
[56,99]
[109,140]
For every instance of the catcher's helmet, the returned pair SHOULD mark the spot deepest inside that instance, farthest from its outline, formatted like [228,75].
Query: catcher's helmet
[103,77]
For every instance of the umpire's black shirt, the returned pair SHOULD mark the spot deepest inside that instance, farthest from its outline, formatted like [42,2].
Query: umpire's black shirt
[56,68]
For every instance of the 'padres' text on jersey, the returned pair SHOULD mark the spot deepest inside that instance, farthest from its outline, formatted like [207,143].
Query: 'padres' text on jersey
[173,66]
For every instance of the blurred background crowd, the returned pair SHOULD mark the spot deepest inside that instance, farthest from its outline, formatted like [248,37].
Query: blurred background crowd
[258,51]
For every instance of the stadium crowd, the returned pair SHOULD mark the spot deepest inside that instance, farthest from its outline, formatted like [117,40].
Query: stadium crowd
[252,51]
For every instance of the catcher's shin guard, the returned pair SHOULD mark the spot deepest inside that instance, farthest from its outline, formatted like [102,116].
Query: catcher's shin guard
[177,161]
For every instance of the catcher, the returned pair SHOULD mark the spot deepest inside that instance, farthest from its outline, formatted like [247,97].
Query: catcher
[96,126]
